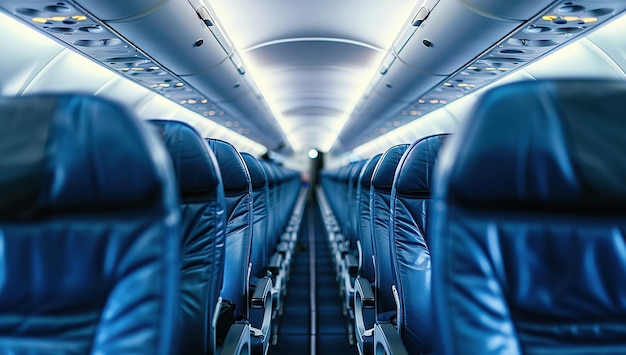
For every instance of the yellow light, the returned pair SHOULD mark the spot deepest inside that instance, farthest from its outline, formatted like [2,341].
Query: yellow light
[57,18]
[204,101]
[192,101]
[590,19]
[183,102]
[571,18]
[443,101]
[549,18]
[179,84]
[79,18]
[154,68]
[421,101]
[212,113]
[434,101]
[490,68]
[472,68]
[447,84]
[136,68]
[413,113]
[503,69]
[164,85]
[154,86]
[465,85]
[123,69]
[39,20]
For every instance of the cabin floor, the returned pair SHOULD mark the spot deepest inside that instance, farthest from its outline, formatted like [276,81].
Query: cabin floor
[313,321]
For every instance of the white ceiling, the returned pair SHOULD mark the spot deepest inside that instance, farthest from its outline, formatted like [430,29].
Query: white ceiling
[312,59]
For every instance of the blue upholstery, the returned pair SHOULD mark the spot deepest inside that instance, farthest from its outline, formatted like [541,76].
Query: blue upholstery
[410,255]
[365,225]
[204,228]
[273,234]
[89,228]
[262,248]
[380,192]
[528,242]
[238,194]
[352,207]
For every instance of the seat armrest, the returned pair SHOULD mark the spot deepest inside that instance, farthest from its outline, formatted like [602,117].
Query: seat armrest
[364,314]
[387,340]
[275,264]
[237,340]
[261,309]
[352,264]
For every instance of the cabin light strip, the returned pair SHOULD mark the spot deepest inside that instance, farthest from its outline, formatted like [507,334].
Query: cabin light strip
[560,24]
[68,23]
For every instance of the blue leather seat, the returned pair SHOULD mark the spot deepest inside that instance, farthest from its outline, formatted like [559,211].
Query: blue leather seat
[529,253]
[364,312]
[239,222]
[410,206]
[366,264]
[261,252]
[90,229]
[380,200]
[204,228]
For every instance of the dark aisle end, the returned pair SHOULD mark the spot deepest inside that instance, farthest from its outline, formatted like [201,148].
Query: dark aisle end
[309,316]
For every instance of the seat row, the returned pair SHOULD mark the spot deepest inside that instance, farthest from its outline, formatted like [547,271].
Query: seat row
[525,228]
[121,236]
[383,238]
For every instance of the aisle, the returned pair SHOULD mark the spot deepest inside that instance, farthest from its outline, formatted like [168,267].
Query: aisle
[312,322]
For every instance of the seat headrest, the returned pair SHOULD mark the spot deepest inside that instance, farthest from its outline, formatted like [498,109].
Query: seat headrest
[355,172]
[415,170]
[75,153]
[542,144]
[235,176]
[382,178]
[269,173]
[366,173]
[193,160]
[257,173]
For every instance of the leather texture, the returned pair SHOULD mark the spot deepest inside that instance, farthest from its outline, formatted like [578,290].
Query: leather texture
[528,241]
[273,232]
[410,199]
[203,212]
[239,221]
[380,195]
[261,251]
[363,205]
[352,201]
[89,258]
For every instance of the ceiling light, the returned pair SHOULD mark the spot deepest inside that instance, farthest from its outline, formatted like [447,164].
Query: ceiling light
[313,153]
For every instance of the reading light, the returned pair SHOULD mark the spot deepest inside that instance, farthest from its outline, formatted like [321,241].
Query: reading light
[313,153]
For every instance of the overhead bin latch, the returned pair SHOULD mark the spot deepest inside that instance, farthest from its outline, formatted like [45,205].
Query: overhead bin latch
[421,15]
[205,16]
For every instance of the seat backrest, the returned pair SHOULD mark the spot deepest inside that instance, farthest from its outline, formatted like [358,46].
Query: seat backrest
[204,228]
[410,200]
[261,248]
[366,264]
[380,193]
[350,205]
[90,230]
[273,231]
[528,246]
[238,195]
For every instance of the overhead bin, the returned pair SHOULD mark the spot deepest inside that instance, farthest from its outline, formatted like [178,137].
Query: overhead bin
[173,34]
[449,35]
[182,37]
[122,9]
